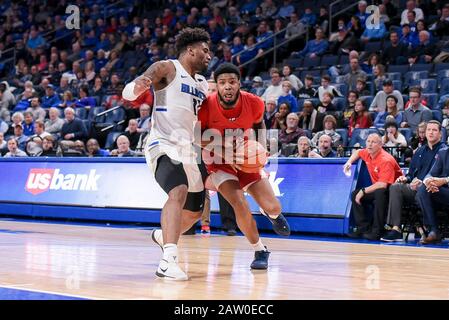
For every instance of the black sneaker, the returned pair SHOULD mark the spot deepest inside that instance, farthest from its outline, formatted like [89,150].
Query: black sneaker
[260,260]
[280,224]
[371,236]
[392,235]
[231,232]
[355,234]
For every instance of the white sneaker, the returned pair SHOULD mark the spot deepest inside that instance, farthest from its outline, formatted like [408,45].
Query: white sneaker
[156,236]
[170,271]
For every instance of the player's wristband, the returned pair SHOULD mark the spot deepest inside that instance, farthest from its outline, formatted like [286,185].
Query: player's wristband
[128,92]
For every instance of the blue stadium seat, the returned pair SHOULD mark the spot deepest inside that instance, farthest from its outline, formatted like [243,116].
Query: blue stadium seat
[340,79]
[300,102]
[397,85]
[415,75]
[308,134]
[110,139]
[393,75]
[437,115]
[81,113]
[372,47]
[93,114]
[441,75]
[444,86]
[329,60]
[360,135]
[315,101]
[367,100]
[427,85]
[311,62]
[340,103]
[422,67]
[441,66]
[343,60]
[401,69]
[344,136]
[342,87]
[432,99]
[407,133]
[295,63]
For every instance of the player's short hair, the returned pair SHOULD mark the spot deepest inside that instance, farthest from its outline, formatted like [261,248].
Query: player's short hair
[226,68]
[189,36]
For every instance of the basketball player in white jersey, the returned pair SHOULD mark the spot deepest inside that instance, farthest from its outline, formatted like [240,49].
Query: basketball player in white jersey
[179,92]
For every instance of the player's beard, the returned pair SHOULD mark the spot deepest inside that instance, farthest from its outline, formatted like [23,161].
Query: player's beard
[229,103]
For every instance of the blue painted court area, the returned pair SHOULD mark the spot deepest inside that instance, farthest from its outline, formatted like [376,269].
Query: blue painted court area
[23,294]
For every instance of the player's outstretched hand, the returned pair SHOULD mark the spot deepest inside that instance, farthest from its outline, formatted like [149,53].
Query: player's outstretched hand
[142,84]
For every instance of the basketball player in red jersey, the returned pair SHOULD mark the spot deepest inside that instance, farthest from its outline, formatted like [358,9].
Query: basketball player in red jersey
[230,108]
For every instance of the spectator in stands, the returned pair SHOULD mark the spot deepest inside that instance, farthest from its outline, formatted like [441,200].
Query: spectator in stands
[296,83]
[275,89]
[344,42]
[309,18]
[324,148]
[84,99]
[395,51]
[79,147]
[3,144]
[28,124]
[269,8]
[94,150]
[372,34]
[98,89]
[379,77]
[350,106]
[425,51]
[3,126]
[441,27]
[411,6]
[326,87]
[25,101]
[433,194]
[48,147]
[257,86]
[392,110]
[315,48]
[361,87]
[326,105]
[329,124]
[445,111]
[54,124]
[39,130]
[270,112]
[73,128]
[405,189]
[13,150]
[36,110]
[419,136]
[354,74]
[384,171]
[115,88]
[416,113]
[7,100]
[286,96]
[67,100]
[20,138]
[393,139]
[294,28]
[17,118]
[307,92]
[356,27]
[380,100]
[310,119]
[360,118]
[35,40]
[305,148]
[123,149]
[50,99]
[292,132]
[280,117]
[132,134]
[408,38]
[335,71]
[144,122]
[323,20]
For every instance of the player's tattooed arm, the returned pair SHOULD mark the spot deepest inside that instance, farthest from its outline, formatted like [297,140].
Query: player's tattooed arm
[159,74]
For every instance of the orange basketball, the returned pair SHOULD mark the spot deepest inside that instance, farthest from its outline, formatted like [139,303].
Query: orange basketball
[251,156]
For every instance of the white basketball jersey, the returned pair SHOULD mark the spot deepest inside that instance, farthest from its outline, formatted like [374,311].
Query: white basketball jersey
[175,115]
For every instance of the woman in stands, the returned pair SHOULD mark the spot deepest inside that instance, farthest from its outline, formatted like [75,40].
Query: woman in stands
[372,61]
[280,118]
[67,100]
[393,139]
[379,77]
[355,27]
[392,110]
[360,118]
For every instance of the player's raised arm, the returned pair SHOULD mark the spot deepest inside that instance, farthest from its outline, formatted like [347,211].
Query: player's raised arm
[157,75]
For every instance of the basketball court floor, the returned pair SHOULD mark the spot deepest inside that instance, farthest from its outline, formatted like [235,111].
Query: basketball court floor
[46,260]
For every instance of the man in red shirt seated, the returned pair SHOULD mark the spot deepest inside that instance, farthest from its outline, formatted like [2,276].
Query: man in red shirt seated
[383,170]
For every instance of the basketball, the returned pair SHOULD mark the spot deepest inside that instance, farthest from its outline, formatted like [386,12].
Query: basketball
[251,156]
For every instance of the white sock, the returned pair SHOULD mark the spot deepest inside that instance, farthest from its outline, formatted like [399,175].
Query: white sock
[158,235]
[270,215]
[170,252]
[259,246]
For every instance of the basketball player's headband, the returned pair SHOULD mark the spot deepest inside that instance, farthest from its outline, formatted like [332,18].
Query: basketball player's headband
[226,68]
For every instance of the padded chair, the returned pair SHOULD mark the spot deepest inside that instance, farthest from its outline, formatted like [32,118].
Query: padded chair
[360,135]
[344,136]
[407,133]
[110,139]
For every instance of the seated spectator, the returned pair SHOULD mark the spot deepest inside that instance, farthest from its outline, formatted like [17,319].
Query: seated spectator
[433,194]
[395,51]
[354,74]
[285,10]
[280,117]
[98,89]
[251,51]
[17,118]
[315,48]
[292,132]
[295,28]
[13,150]
[329,124]
[132,134]
[379,77]
[425,50]
[115,88]
[307,92]
[325,87]
[360,118]
[403,192]
[84,99]
[295,82]
[79,147]
[36,110]
[326,104]
[373,34]
[416,113]
[384,171]
[3,144]
[445,110]
[324,148]
[361,88]
[50,99]
[144,122]
[335,71]
[305,148]
[392,110]
[94,150]
[25,102]
[270,112]
[344,42]
[419,136]
[411,6]
[310,119]
[123,149]
[73,128]
[393,138]
[286,96]
[275,89]
[28,124]
[380,100]
[3,126]
[54,124]
[35,40]
[257,86]
[356,27]
[350,106]
[408,38]
[441,27]
[67,100]
[309,18]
